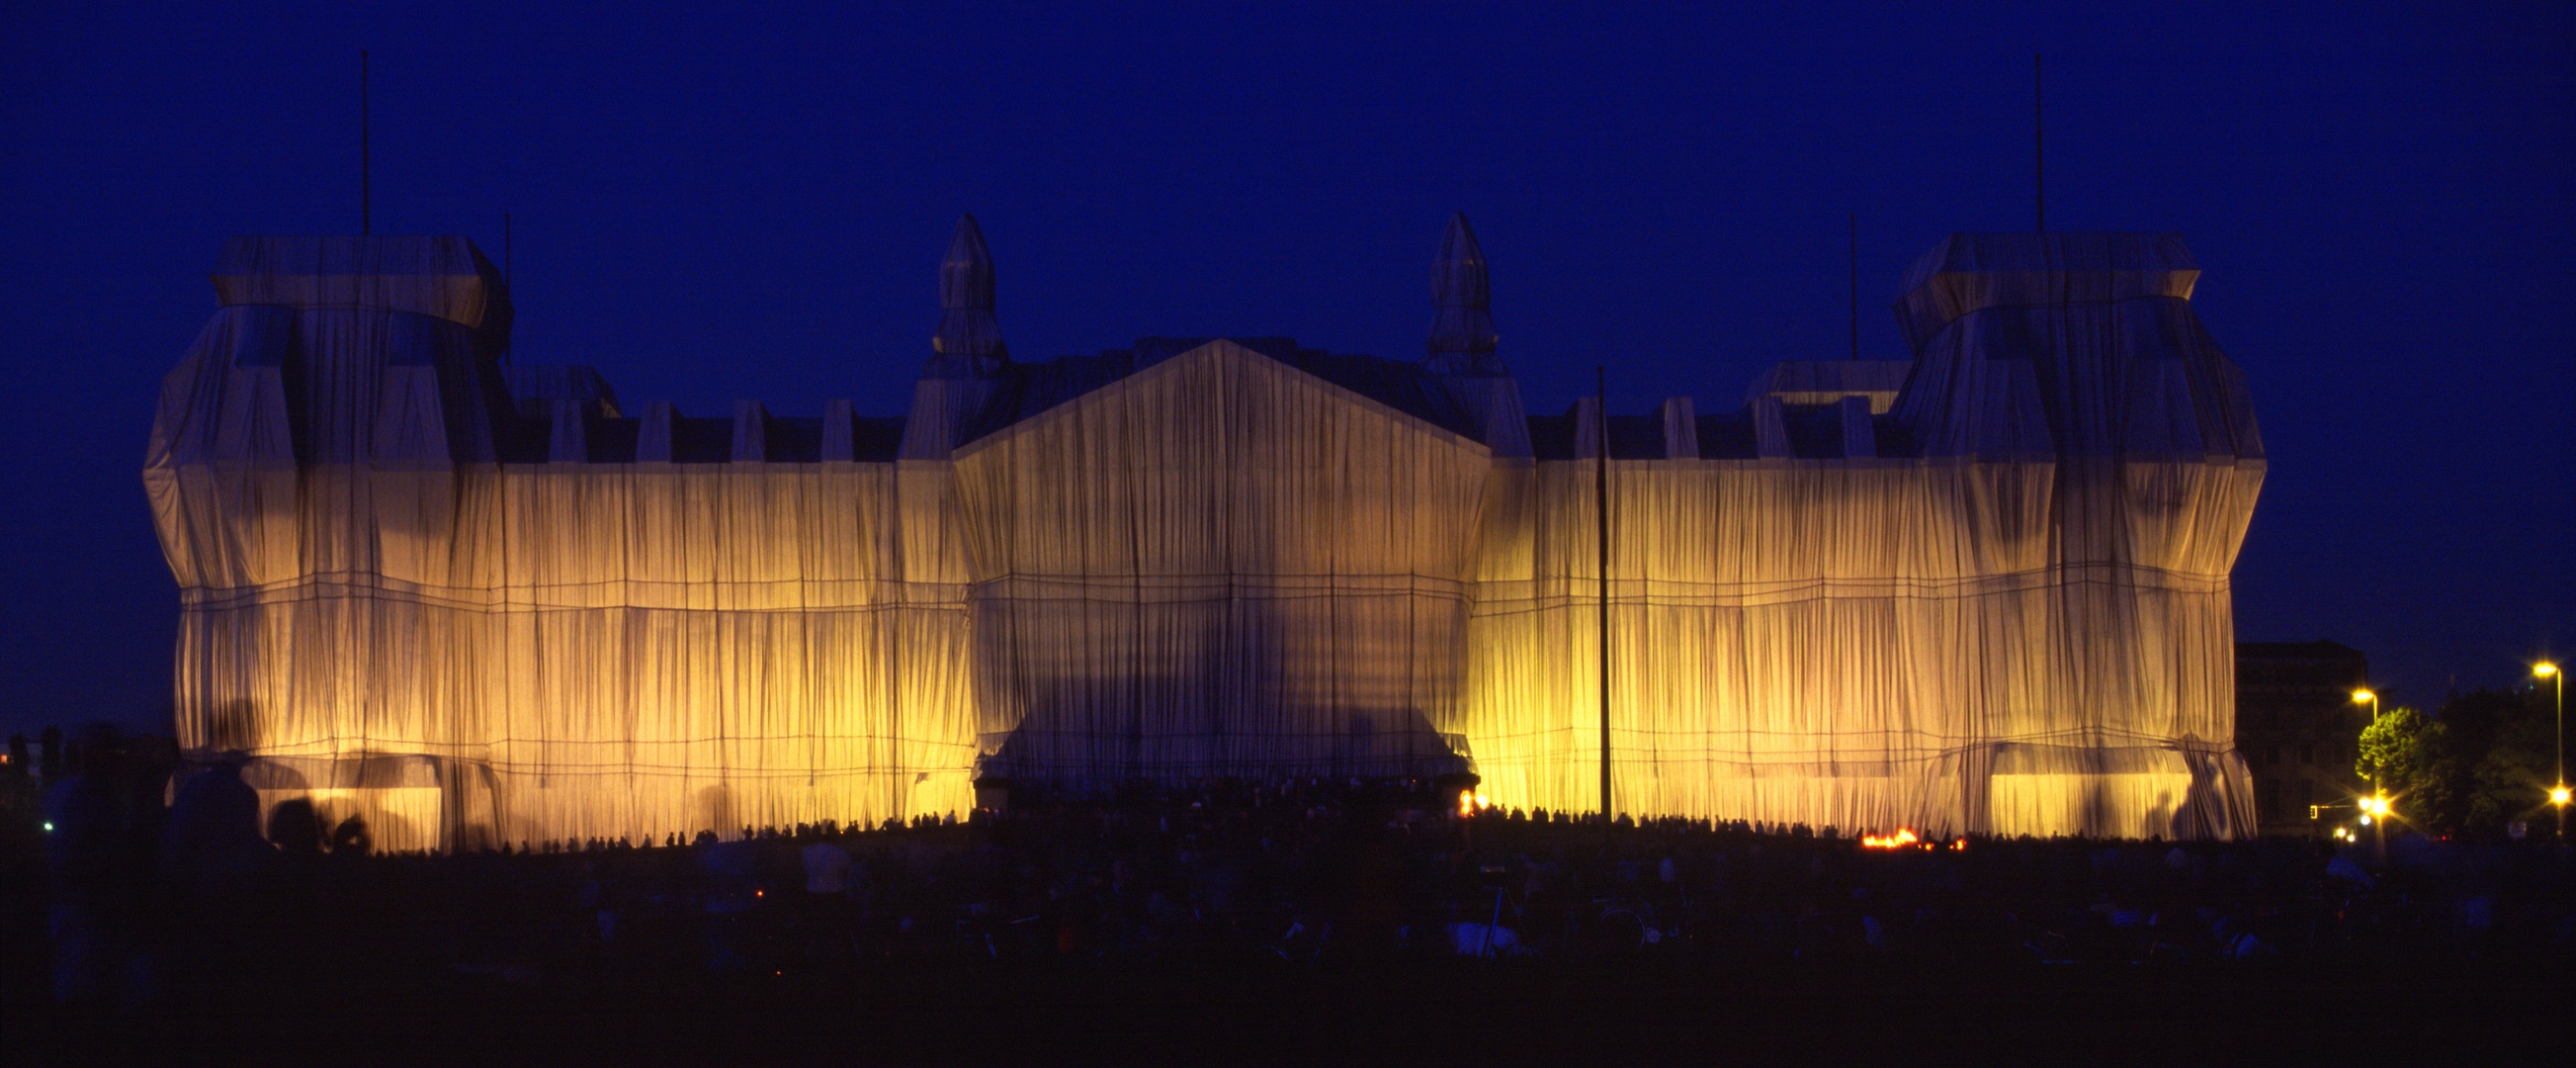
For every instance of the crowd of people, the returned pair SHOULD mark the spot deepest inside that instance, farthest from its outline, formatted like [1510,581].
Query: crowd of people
[142,902]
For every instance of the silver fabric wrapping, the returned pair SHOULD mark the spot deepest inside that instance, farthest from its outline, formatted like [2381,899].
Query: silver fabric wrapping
[1999,605]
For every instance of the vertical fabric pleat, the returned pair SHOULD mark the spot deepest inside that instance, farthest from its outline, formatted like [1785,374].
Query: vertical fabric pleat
[1222,563]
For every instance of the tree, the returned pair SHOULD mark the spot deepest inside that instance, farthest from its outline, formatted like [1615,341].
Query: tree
[2402,752]
[2396,746]
[2483,760]
[2511,779]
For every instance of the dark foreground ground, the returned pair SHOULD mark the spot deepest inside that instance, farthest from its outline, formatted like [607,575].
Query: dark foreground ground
[1410,1012]
[1273,924]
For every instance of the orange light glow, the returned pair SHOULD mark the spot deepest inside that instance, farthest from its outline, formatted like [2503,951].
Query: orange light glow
[1899,840]
[2558,795]
[1960,845]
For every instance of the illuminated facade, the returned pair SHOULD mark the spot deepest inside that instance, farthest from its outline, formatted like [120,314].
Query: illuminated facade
[1982,590]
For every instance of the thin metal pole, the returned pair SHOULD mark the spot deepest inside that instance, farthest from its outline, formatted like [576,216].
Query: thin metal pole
[366,191]
[1601,510]
[2379,819]
[2038,148]
[505,271]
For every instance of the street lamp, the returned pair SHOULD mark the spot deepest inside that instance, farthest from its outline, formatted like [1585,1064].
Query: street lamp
[2361,696]
[2375,807]
[2558,699]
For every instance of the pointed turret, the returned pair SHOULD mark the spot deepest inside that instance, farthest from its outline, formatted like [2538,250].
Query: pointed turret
[966,323]
[1464,323]
[967,355]
[1462,344]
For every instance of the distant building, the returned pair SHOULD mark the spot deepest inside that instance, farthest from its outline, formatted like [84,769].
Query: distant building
[2298,727]
[1981,590]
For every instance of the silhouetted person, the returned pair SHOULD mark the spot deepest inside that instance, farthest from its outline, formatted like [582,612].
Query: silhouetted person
[212,842]
[213,861]
[350,838]
[17,756]
[827,869]
[290,900]
[94,857]
[1365,885]
[295,829]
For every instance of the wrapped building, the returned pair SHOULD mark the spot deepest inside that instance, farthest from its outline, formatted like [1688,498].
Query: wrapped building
[1983,590]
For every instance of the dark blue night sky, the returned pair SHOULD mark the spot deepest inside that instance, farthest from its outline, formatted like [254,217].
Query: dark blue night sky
[714,204]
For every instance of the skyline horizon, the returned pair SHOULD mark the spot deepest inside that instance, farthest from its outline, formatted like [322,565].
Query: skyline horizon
[713,207]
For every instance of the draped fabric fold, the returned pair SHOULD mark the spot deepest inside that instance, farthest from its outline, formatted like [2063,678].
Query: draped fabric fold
[1220,565]
[1984,590]
[1856,647]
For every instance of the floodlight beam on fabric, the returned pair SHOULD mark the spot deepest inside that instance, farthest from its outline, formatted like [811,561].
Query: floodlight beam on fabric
[1982,592]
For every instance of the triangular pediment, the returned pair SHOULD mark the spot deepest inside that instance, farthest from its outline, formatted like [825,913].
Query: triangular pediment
[1232,379]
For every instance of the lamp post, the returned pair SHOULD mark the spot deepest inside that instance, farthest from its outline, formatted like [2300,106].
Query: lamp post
[2558,702]
[2375,807]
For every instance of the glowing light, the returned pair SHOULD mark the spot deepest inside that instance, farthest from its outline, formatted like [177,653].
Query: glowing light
[49,826]
[2544,669]
[1466,803]
[2365,821]
[1900,839]
[2363,696]
[2558,794]
[1960,845]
